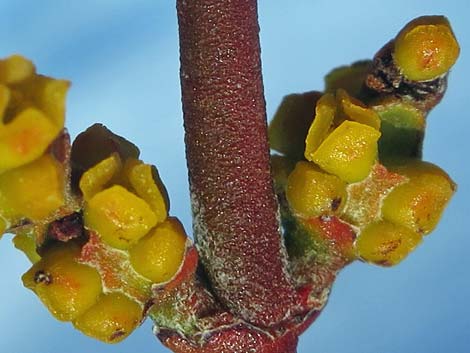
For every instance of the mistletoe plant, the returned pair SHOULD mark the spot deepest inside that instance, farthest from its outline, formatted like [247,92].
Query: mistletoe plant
[271,232]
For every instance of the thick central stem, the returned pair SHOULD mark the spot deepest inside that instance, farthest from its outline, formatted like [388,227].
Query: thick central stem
[235,210]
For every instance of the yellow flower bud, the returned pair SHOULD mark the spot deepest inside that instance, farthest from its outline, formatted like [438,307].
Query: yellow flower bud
[25,138]
[66,287]
[159,254]
[385,243]
[419,203]
[32,191]
[111,319]
[349,151]
[426,48]
[119,217]
[311,192]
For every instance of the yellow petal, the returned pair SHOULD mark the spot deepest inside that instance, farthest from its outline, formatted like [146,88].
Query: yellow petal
[289,126]
[111,319]
[32,191]
[95,179]
[356,110]
[324,115]
[159,254]
[146,182]
[349,151]
[119,217]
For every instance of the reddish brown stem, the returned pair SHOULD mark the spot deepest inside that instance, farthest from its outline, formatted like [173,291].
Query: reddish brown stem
[235,210]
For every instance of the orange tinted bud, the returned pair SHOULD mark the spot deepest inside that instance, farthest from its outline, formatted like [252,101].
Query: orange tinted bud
[119,217]
[349,151]
[311,192]
[159,254]
[66,288]
[385,243]
[111,319]
[426,48]
[15,69]
[25,138]
[419,204]
[32,191]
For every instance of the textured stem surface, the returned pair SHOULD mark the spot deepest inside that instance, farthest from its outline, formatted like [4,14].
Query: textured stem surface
[235,211]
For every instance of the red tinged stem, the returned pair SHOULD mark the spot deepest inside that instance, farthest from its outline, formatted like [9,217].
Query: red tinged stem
[237,339]
[235,210]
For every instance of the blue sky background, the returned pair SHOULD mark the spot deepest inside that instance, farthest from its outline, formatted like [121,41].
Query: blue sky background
[122,58]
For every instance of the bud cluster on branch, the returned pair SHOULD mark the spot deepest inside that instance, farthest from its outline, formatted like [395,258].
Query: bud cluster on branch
[346,182]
